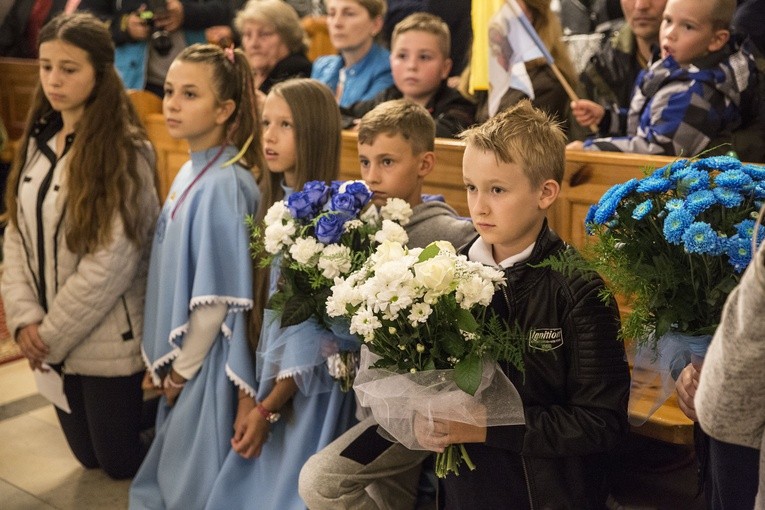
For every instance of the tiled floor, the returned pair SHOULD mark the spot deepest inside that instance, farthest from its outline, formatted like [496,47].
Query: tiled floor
[37,470]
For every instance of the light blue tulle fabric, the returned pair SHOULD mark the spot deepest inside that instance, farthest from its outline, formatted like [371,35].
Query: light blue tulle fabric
[654,372]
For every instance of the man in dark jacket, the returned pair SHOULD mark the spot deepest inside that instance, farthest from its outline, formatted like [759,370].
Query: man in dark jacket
[609,77]
[22,23]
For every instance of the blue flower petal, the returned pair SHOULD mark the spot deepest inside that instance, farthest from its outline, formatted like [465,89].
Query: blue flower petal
[654,185]
[756,172]
[675,225]
[700,238]
[699,201]
[734,179]
[728,197]
[739,250]
[642,209]
[610,200]
[674,204]
[722,163]
[694,180]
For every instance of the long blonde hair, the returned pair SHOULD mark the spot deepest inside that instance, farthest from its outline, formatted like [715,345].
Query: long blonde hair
[102,176]
[317,128]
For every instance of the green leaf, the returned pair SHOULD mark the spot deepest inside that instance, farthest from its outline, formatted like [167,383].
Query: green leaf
[277,301]
[453,343]
[429,252]
[467,374]
[466,321]
[296,309]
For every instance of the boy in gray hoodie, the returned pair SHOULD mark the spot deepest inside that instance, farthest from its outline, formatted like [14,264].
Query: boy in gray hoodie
[361,469]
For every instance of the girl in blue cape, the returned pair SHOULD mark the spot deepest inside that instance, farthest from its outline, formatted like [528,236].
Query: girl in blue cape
[200,277]
[289,408]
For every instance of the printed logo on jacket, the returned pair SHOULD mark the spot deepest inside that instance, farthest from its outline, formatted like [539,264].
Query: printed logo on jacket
[545,339]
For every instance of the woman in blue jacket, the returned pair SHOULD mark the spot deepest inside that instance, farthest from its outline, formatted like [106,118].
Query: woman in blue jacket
[362,69]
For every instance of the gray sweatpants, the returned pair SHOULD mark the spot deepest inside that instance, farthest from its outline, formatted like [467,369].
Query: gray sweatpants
[362,470]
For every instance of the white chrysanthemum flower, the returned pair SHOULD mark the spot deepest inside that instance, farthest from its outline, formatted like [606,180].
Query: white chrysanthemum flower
[364,323]
[344,293]
[391,290]
[391,231]
[419,313]
[335,260]
[306,250]
[387,251]
[474,290]
[370,215]
[336,367]
[277,213]
[352,225]
[278,235]
[396,209]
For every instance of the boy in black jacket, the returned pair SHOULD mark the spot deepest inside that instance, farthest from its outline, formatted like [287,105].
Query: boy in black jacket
[576,380]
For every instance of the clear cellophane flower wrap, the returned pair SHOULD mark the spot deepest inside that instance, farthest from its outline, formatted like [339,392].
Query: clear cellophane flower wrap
[396,399]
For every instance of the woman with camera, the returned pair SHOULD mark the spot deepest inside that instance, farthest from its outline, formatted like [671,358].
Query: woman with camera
[149,34]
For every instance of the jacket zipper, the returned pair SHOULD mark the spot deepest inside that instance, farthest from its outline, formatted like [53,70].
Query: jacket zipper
[128,335]
[42,193]
[528,485]
[523,460]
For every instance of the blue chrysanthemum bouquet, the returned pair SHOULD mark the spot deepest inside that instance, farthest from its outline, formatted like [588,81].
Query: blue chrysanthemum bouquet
[675,243]
[316,235]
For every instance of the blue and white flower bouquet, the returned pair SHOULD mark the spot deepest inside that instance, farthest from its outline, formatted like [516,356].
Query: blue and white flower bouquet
[316,235]
[431,343]
[675,243]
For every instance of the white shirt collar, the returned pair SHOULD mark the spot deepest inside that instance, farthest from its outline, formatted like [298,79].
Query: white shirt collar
[481,252]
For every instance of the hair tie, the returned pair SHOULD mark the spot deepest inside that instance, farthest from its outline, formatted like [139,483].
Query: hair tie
[229,53]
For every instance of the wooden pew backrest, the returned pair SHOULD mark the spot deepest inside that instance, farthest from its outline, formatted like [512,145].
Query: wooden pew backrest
[145,103]
[171,153]
[318,36]
[587,176]
[18,81]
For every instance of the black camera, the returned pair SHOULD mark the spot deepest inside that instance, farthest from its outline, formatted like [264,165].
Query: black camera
[160,39]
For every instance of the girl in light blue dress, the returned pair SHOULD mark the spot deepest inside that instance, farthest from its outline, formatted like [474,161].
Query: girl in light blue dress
[200,279]
[289,407]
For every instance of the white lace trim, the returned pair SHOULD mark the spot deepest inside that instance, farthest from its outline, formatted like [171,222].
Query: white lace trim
[154,367]
[235,304]
[180,330]
[291,373]
[239,382]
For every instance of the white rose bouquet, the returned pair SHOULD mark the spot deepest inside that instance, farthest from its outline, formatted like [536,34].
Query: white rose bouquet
[316,235]
[424,315]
